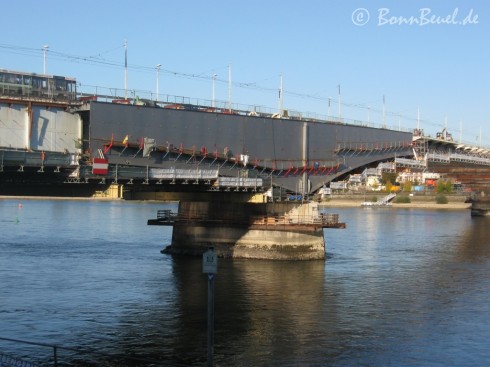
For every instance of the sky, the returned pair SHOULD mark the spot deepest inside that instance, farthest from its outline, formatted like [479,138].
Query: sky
[409,58]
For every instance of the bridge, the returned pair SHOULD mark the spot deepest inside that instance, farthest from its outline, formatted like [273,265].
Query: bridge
[214,160]
[178,144]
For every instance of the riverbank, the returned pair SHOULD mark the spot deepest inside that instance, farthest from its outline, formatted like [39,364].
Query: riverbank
[417,202]
[339,201]
[77,198]
[417,205]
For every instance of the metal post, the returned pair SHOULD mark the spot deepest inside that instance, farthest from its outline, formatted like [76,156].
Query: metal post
[55,355]
[229,88]
[210,319]
[45,48]
[280,109]
[305,158]
[210,267]
[384,112]
[340,106]
[125,69]
[158,76]
[213,102]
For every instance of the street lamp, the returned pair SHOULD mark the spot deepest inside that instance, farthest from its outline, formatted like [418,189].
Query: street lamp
[213,104]
[158,76]
[45,48]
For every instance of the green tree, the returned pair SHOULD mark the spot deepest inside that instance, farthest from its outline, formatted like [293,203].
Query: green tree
[407,187]
[388,176]
[449,186]
[441,187]
[444,186]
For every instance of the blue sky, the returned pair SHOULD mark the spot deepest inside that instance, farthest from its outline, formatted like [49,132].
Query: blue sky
[442,69]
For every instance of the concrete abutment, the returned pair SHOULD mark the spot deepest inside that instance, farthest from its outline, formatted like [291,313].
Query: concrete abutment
[274,231]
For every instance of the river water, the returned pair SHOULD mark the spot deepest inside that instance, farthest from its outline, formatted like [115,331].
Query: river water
[400,287]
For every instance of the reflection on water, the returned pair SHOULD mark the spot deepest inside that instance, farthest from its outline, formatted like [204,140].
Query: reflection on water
[262,308]
[398,288]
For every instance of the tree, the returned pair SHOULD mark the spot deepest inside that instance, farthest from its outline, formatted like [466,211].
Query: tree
[444,186]
[388,176]
[449,186]
[388,186]
[407,186]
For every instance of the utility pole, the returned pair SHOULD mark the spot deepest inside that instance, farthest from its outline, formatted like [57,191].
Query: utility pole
[158,76]
[384,112]
[418,118]
[125,69]
[280,96]
[229,88]
[460,131]
[45,48]
[340,105]
[213,102]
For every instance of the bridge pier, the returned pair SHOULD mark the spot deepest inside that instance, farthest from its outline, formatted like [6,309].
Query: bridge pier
[480,205]
[275,231]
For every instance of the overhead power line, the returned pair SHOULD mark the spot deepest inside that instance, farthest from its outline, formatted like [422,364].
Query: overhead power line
[99,60]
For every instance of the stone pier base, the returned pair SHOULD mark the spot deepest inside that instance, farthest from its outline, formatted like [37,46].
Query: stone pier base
[239,240]
[252,244]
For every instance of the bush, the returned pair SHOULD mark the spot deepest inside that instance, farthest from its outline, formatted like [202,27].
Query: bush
[444,186]
[402,200]
[441,199]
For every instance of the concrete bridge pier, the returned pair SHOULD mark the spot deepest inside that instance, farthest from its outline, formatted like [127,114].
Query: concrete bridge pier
[275,231]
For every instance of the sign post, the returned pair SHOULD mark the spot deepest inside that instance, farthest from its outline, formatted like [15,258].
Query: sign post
[210,267]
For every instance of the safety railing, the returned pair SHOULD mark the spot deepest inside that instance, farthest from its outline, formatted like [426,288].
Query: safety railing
[167,217]
[68,356]
[134,96]
[457,157]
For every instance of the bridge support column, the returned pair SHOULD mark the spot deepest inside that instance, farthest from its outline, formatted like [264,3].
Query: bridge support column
[248,230]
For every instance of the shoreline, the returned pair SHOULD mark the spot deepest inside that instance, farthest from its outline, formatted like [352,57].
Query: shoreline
[75,198]
[333,203]
[343,203]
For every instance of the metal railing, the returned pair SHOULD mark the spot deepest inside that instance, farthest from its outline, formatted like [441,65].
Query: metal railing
[106,94]
[457,157]
[410,162]
[324,219]
[26,363]
[102,359]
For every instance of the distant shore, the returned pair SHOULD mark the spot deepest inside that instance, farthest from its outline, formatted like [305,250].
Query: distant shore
[339,201]
[418,205]
[80,198]
[417,202]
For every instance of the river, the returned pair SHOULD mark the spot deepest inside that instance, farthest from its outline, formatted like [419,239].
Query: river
[399,287]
